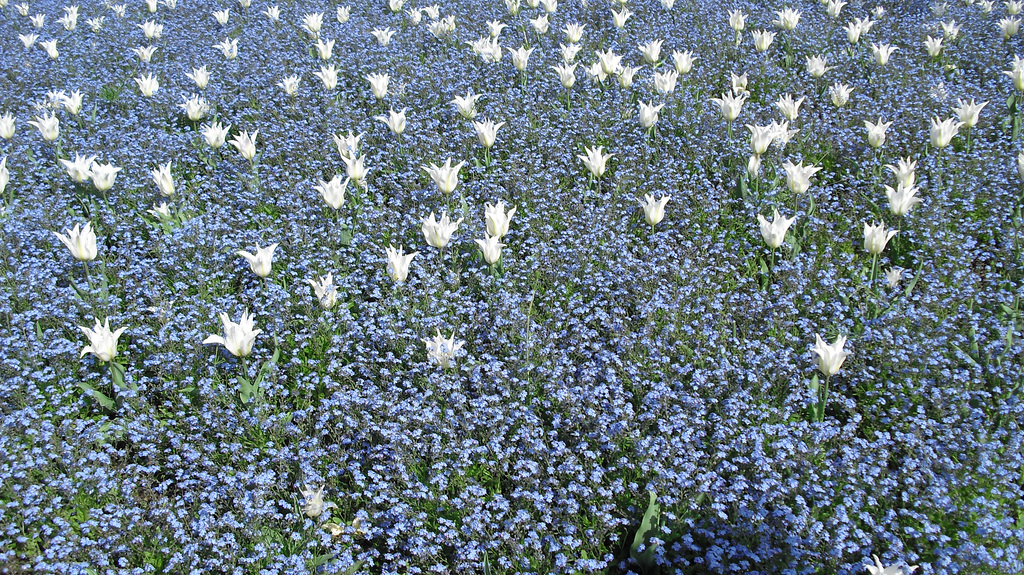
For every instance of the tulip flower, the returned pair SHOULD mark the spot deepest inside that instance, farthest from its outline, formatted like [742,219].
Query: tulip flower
[1020,165]
[164,180]
[48,125]
[665,83]
[333,191]
[876,132]
[882,52]
[379,85]
[879,569]
[566,74]
[260,262]
[730,106]
[102,341]
[51,48]
[148,84]
[343,14]
[442,350]
[487,131]
[753,166]
[79,169]
[195,107]
[439,233]
[415,15]
[81,242]
[683,61]
[933,46]
[348,146]
[151,29]
[324,49]
[355,170]
[326,292]
[893,276]
[830,357]
[290,84]
[942,131]
[840,94]
[763,40]
[619,18]
[245,144]
[103,175]
[798,177]
[497,220]
[466,107]
[238,337]
[568,53]
[788,107]
[329,76]
[573,32]
[29,39]
[215,134]
[875,238]
[229,47]
[312,23]
[161,212]
[969,113]
[761,137]
[902,199]
[649,114]
[737,20]
[651,51]
[398,263]
[490,247]
[7,122]
[221,16]
[313,505]
[654,210]
[5,175]
[73,103]
[904,172]
[520,57]
[787,19]
[394,120]
[774,232]
[446,177]
[816,67]
[200,76]
[596,161]
[1009,27]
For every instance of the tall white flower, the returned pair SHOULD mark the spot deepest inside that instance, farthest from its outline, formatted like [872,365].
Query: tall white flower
[238,337]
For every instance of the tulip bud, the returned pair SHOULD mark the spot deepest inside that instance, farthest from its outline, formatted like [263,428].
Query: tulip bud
[164,181]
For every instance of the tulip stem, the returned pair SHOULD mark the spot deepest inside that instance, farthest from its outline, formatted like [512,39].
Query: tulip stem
[824,399]
[874,268]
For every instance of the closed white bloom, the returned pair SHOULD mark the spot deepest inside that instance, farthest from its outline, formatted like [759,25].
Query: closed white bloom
[737,20]
[51,48]
[683,61]
[1009,27]
[651,51]
[665,82]
[324,49]
[238,337]
[816,66]
[164,180]
[490,247]
[200,76]
[383,35]
[573,32]
[830,357]
[649,114]
[260,262]
[787,19]
[394,120]
[442,350]
[654,210]
[969,113]
[325,290]
[840,94]
[103,175]
[439,233]
[905,171]
[7,122]
[798,176]
[446,177]
[566,74]
[730,105]
[102,341]
[148,84]
[145,53]
[882,52]
[761,137]
[875,237]
[902,199]
[245,144]
[774,232]
[754,166]
[333,191]
[79,169]
[343,14]
[195,107]
[151,5]
[221,16]
[596,160]
[379,85]
[487,131]
[540,24]
[941,132]
[81,241]
[398,263]
[151,29]
[215,134]
[290,84]
[356,170]
[619,18]
[313,22]
[876,132]
[788,107]
[763,39]
[933,45]
[329,76]
[497,219]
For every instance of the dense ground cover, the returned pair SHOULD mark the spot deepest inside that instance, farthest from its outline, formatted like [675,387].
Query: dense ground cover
[627,397]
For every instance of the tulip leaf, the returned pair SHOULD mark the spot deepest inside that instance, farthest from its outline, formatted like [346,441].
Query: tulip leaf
[345,237]
[814,383]
[117,375]
[99,396]
[648,527]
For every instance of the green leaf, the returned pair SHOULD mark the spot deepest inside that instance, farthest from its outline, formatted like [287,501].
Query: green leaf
[99,396]
[117,375]
[246,390]
[764,266]
[345,237]
[814,383]
[648,527]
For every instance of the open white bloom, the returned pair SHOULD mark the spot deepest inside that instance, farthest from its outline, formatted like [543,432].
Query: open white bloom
[761,137]
[161,212]
[260,262]
[398,263]
[487,131]
[596,161]
[313,505]
[683,61]
[774,232]
[1009,27]
[490,247]
[788,107]
[619,18]
[494,27]
[379,85]
[215,134]
[383,35]
[540,24]
[5,175]
[893,276]
[200,76]
[879,569]
[348,146]
[933,45]
[324,49]
[902,199]
[573,32]
[313,22]
[394,120]
[665,83]
[737,20]
[290,84]
[649,114]
[549,6]
[654,210]
[329,76]
[566,74]
[876,132]
[195,107]
[102,341]
[443,28]
[151,29]
[38,21]
[164,180]
[81,242]
[326,292]
[787,19]
[882,52]
[343,14]
[221,16]
[763,39]
[840,94]
[333,191]
[433,11]
[273,13]
[816,66]
[798,176]
[446,177]
[904,172]
[103,175]
[238,337]
[415,15]
[48,125]
[497,219]
[941,132]
[245,144]
[857,28]
[738,83]
[148,84]
[730,105]
[145,53]
[875,237]
[29,39]
[830,357]
[229,47]
[79,169]
[950,30]
[834,7]
[520,57]
[611,63]
[651,51]
[396,5]
[625,77]
[439,233]
[70,18]
[969,113]
[442,350]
